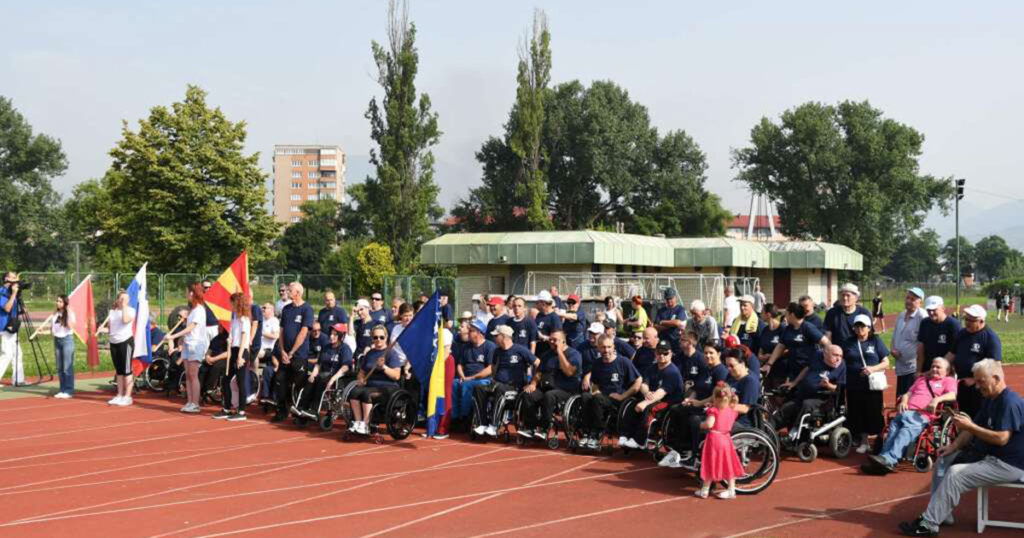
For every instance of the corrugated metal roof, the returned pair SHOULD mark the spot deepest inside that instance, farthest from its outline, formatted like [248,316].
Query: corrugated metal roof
[587,247]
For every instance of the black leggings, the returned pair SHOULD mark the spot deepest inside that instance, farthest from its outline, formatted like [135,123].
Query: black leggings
[595,412]
[374,395]
[685,434]
[121,355]
[288,375]
[485,395]
[864,412]
[210,375]
[310,400]
[790,413]
[240,374]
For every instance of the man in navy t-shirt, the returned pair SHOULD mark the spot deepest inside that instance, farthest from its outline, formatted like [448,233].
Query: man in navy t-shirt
[499,316]
[670,318]
[510,369]
[574,321]
[989,450]
[547,320]
[612,380]
[839,318]
[561,371]
[937,335]
[810,315]
[378,314]
[331,313]
[824,375]
[645,357]
[662,386]
[293,349]
[976,341]
[524,331]
[472,368]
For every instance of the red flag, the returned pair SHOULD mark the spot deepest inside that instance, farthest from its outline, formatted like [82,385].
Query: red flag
[83,322]
[234,280]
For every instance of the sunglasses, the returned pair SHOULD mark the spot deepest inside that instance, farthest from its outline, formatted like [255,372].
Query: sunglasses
[377,298]
[665,353]
[380,337]
[969,319]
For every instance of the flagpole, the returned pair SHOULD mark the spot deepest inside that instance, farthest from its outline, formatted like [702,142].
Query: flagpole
[41,325]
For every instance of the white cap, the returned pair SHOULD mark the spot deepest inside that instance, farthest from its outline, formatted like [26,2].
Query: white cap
[466,314]
[596,327]
[363,303]
[698,306]
[545,296]
[850,287]
[503,329]
[933,302]
[746,299]
[863,319]
[976,311]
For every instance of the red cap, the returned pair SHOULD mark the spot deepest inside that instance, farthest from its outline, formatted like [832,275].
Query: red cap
[340,327]
[573,297]
[495,300]
[731,341]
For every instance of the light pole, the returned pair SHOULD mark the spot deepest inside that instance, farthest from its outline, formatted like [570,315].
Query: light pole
[959,195]
[78,245]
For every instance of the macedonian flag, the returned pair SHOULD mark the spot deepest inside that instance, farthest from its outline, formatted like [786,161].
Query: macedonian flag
[234,280]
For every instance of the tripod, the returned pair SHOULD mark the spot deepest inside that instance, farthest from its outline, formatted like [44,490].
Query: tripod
[33,346]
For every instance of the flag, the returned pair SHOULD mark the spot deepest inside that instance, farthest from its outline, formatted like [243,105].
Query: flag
[234,280]
[138,300]
[424,350]
[80,305]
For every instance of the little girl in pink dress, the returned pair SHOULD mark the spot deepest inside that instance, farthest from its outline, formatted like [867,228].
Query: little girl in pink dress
[718,461]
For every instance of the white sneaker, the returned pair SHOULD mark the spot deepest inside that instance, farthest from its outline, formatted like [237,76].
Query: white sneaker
[670,460]
[479,430]
[595,444]
[630,443]
[62,396]
[116,400]
[622,440]
[492,431]
[863,448]
[250,399]
[191,408]
[125,402]
[525,433]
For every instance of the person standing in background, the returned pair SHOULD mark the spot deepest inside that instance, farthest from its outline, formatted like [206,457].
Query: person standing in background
[759,299]
[878,312]
[904,340]
[63,346]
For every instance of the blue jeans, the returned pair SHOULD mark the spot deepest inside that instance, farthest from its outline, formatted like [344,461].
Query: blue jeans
[64,352]
[462,396]
[903,430]
[268,380]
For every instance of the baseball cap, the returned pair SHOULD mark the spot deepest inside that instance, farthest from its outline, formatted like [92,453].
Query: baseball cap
[698,306]
[933,302]
[863,319]
[479,326]
[663,345]
[918,292]
[669,293]
[573,297]
[466,314]
[746,299]
[850,287]
[730,341]
[976,311]
[503,329]
[363,303]
[596,327]
[340,327]
[495,300]
[544,296]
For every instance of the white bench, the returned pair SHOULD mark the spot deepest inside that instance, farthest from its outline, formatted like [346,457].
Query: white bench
[983,519]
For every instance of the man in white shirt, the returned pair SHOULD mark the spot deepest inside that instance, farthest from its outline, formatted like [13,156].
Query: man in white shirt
[904,340]
[732,308]
[759,299]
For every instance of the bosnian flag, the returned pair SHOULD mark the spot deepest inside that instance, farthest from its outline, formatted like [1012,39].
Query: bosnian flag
[422,342]
[139,300]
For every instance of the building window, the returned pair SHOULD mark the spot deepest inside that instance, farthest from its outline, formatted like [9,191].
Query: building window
[328,185]
[296,175]
[311,197]
[327,195]
[328,173]
[328,152]
[295,219]
[296,197]
[312,175]
[296,185]
[296,163]
[314,163]
[294,209]
[329,162]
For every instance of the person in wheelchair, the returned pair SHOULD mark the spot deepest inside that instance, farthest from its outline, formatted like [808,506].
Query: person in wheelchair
[511,370]
[662,386]
[684,439]
[214,365]
[808,393]
[744,383]
[558,378]
[917,407]
[611,381]
[334,363]
[268,337]
[379,372]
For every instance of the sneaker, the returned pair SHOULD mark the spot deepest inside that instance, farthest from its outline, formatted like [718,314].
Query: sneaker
[917,528]
[222,414]
[622,440]
[595,443]
[541,434]
[364,428]
[727,494]
[492,431]
[863,448]
[250,399]
[125,401]
[479,430]
[238,417]
[670,460]
[192,408]
[630,443]
[525,433]
[440,436]
[116,400]
[702,493]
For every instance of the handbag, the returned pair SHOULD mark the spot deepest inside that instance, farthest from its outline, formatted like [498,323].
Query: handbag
[876,380]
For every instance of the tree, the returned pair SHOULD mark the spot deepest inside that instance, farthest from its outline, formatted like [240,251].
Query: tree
[916,259]
[401,201]
[967,257]
[181,194]
[373,263]
[843,174]
[306,244]
[992,254]
[32,227]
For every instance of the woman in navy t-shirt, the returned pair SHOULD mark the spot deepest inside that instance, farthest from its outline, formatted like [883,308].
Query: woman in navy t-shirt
[799,341]
[379,372]
[863,353]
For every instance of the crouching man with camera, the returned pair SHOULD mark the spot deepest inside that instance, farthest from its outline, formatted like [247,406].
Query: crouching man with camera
[10,350]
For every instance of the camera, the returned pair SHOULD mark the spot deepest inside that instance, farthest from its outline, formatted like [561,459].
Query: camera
[24,285]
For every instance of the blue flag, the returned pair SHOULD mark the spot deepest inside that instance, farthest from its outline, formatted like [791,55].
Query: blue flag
[420,339]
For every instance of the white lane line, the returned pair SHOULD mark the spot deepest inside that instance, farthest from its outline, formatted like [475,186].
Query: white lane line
[321,496]
[471,503]
[828,515]
[61,417]
[270,491]
[80,430]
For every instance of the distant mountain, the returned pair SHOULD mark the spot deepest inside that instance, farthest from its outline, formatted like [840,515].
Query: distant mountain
[978,222]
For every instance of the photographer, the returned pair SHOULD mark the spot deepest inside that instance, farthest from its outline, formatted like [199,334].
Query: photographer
[10,349]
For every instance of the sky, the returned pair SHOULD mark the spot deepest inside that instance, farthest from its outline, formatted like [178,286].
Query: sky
[301,73]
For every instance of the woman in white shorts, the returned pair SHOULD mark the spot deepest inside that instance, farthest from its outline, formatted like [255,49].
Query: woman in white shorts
[193,351]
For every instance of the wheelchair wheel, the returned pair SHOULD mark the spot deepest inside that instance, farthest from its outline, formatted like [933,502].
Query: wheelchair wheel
[759,458]
[553,441]
[401,415]
[346,409]
[807,452]
[923,463]
[840,440]
[156,374]
[661,448]
[620,418]
[254,384]
[327,422]
[182,383]
[572,417]
[475,422]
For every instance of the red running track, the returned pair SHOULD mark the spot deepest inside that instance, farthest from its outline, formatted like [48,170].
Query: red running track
[81,467]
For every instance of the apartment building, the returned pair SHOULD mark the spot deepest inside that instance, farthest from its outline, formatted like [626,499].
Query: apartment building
[303,173]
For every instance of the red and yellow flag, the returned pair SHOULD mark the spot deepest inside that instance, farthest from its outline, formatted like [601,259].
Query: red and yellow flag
[83,322]
[234,280]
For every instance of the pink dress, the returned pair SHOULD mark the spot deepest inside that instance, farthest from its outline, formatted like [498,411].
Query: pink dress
[718,460]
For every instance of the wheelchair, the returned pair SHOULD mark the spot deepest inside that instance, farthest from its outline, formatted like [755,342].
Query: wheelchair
[396,416]
[567,419]
[504,412]
[329,407]
[758,453]
[822,426]
[938,433]
[573,415]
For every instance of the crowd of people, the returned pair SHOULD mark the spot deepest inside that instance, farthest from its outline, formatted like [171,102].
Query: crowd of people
[706,373]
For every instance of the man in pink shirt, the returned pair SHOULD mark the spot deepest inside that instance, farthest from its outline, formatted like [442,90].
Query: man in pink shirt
[916,409]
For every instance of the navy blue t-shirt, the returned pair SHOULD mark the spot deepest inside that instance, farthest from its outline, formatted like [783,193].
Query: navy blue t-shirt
[332,358]
[362,333]
[665,313]
[546,323]
[874,351]
[380,317]
[329,317]
[379,378]
[256,314]
[317,344]
[768,339]
[524,331]
[644,358]
[512,365]
[590,355]
[1005,412]
[550,366]
[623,348]
[973,347]
[293,319]
[476,358]
[937,338]
[840,323]
[751,340]
[748,390]
[613,377]
[695,362]
[810,385]
[802,344]
[667,378]
[493,324]
[575,328]
[708,378]
[814,319]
